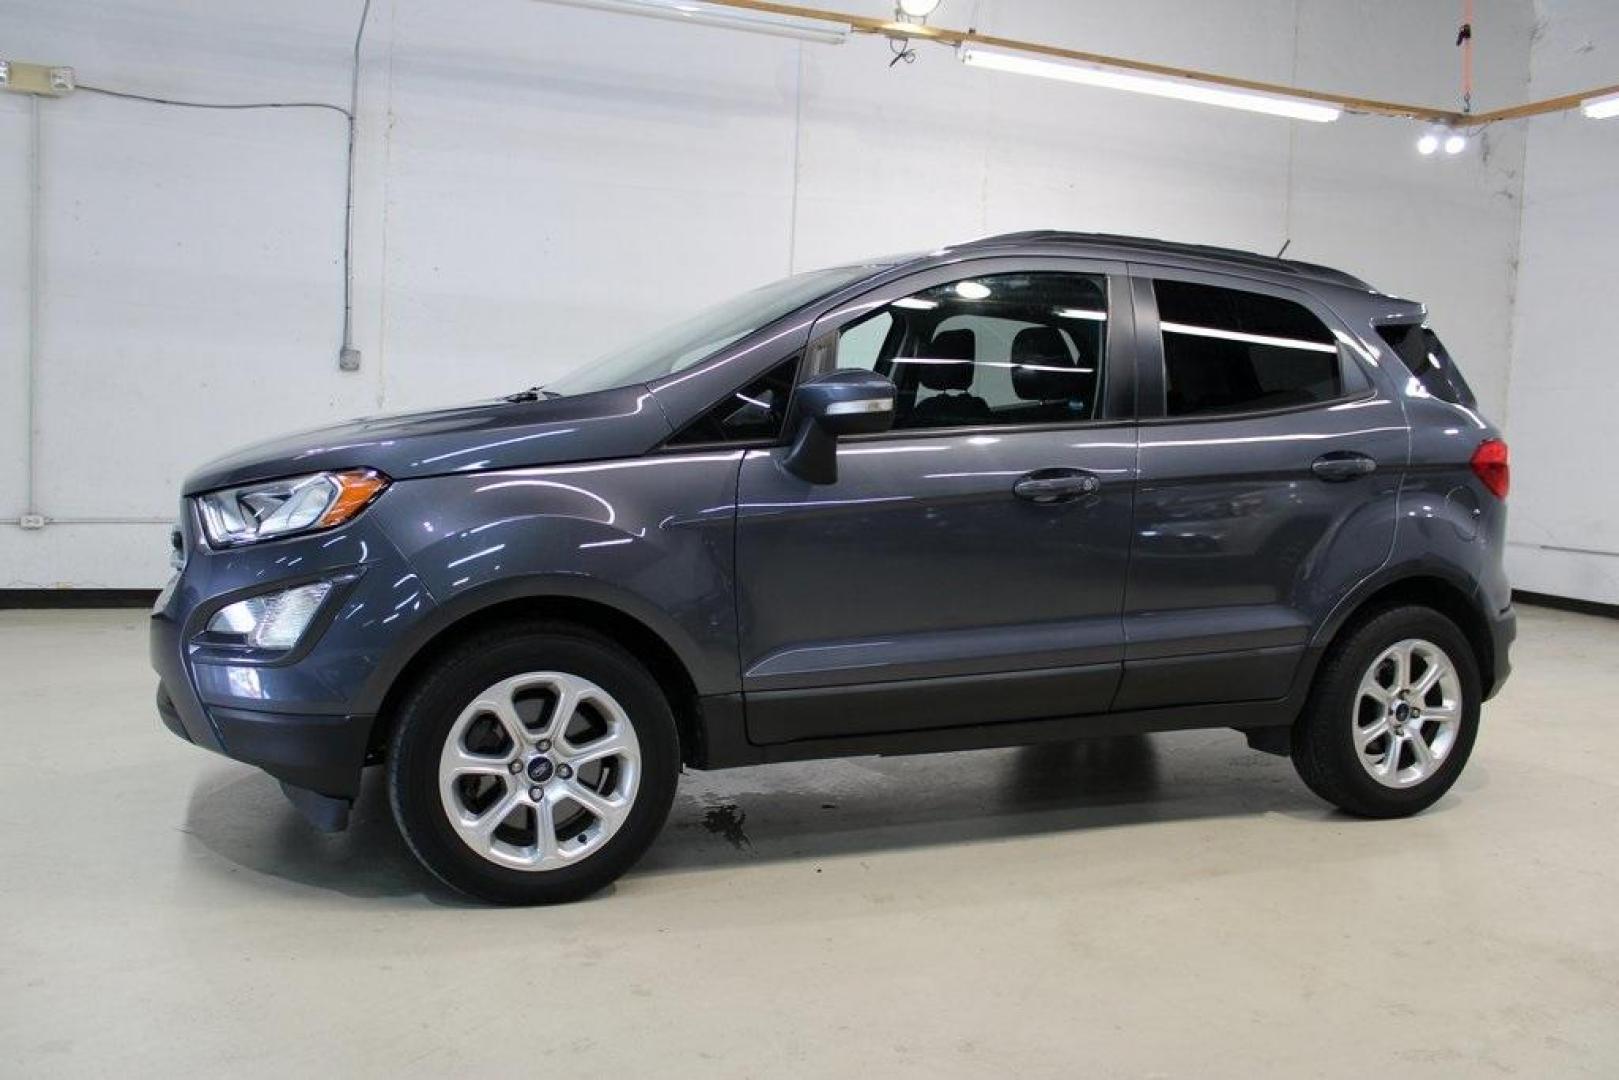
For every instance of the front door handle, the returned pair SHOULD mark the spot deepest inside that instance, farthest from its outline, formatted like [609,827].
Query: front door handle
[1341,465]
[1056,485]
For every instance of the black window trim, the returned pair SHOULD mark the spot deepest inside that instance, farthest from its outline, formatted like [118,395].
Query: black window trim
[1149,346]
[671,445]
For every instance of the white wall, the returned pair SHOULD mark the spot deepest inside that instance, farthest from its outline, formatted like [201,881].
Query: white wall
[537,184]
[1565,358]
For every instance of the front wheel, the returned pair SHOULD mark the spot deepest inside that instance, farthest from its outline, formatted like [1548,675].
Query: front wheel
[533,764]
[1393,715]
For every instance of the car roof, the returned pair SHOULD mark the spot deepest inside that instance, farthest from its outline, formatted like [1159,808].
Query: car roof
[1154,250]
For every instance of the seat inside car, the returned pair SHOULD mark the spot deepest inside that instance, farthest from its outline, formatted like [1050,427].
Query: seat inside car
[1061,383]
[947,367]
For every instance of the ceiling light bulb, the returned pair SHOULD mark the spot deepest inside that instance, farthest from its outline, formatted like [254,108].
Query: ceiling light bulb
[918,9]
[1455,142]
[1427,143]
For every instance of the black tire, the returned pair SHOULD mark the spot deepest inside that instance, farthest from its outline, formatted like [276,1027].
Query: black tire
[429,711]
[1324,750]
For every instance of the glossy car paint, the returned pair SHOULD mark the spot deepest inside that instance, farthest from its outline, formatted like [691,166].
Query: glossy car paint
[913,604]
[1239,550]
[1013,611]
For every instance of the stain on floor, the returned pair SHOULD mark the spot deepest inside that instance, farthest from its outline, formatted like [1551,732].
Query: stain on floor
[726,820]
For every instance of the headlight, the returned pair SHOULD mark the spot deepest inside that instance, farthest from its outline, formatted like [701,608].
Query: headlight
[284,507]
[271,621]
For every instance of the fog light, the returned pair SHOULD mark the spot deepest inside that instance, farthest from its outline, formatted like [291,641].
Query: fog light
[271,621]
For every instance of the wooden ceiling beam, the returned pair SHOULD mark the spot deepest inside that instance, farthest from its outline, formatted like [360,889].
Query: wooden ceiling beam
[866,24]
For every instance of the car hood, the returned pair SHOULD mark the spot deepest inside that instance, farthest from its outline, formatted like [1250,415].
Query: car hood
[469,438]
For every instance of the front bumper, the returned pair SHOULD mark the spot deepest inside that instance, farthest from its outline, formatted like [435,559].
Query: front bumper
[321,754]
[306,716]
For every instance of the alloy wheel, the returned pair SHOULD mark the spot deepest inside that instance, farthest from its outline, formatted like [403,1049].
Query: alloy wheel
[1407,713]
[539,771]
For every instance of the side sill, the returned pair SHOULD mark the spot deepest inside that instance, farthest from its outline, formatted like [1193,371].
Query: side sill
[870,709]
[725,743]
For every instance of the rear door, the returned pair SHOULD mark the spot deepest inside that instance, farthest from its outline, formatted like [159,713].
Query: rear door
[968,566]
[1270,462]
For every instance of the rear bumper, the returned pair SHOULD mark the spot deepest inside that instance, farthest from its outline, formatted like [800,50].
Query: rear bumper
[1503,632]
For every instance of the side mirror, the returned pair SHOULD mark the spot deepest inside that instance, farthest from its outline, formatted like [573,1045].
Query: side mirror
[849,401]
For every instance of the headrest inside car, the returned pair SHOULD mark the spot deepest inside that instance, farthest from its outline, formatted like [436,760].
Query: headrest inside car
[1044,369]
[954,351]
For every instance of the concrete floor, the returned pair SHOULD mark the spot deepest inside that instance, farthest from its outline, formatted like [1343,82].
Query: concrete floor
[1168,906]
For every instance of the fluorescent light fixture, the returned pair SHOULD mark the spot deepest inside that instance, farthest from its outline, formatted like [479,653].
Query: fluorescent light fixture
[1081,313]
[915,303]
[1116,79]
[1601,108]
[704,14]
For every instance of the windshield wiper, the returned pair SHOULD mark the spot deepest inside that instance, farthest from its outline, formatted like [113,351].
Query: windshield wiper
[533,393]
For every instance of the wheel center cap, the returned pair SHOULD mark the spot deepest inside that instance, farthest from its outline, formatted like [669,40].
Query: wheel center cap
[540,769]
[1402,712]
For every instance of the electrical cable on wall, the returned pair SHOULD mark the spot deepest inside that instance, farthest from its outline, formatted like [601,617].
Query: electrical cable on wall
[348,355]
[61,81]
[1464,39]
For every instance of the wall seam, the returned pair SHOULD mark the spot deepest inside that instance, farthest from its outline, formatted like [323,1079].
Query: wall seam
[1515,263]
[1292,138]
[798,152]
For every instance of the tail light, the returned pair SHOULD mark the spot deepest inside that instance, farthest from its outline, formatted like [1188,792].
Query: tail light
[1491,466]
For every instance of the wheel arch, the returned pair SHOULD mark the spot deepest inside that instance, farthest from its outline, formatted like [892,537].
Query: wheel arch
[646,644]
[1429,587]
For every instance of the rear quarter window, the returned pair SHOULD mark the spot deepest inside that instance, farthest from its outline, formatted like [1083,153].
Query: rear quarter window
[1424,356]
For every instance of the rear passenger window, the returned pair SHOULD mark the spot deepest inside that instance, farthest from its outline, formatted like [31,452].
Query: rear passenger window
[1424,355]
[1227,350]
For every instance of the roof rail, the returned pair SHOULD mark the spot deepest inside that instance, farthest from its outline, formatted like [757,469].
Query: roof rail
[1148,245]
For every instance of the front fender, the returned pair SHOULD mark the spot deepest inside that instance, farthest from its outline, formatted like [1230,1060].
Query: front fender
[650,537]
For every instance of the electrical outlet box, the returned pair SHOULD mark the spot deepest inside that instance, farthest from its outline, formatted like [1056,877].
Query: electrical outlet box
[348,360]
[47,80]
[32,521]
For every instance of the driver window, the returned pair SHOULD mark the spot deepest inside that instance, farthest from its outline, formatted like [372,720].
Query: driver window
[1021,348]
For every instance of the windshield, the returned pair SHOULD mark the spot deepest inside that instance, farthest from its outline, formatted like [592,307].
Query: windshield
[680,346]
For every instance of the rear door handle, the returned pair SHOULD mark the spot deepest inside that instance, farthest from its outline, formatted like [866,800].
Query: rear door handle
[1056,485]
[1341,465]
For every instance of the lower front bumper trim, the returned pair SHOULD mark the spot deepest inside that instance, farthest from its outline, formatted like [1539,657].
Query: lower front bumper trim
[322,811]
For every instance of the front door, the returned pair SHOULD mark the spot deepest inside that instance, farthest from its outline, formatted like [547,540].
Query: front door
[1271,456]
[968,566]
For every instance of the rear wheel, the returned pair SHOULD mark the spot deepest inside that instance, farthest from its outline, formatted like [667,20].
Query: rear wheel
[1393,714]
[533,765]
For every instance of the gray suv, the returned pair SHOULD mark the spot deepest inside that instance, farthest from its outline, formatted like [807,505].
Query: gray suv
[1036,487]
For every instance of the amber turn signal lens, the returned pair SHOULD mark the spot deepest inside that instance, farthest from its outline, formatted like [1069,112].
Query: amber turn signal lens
[356,490]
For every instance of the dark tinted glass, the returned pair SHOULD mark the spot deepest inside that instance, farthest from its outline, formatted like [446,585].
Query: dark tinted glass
[1022,348]
[753,413]
[1424,355]
[1226,350]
